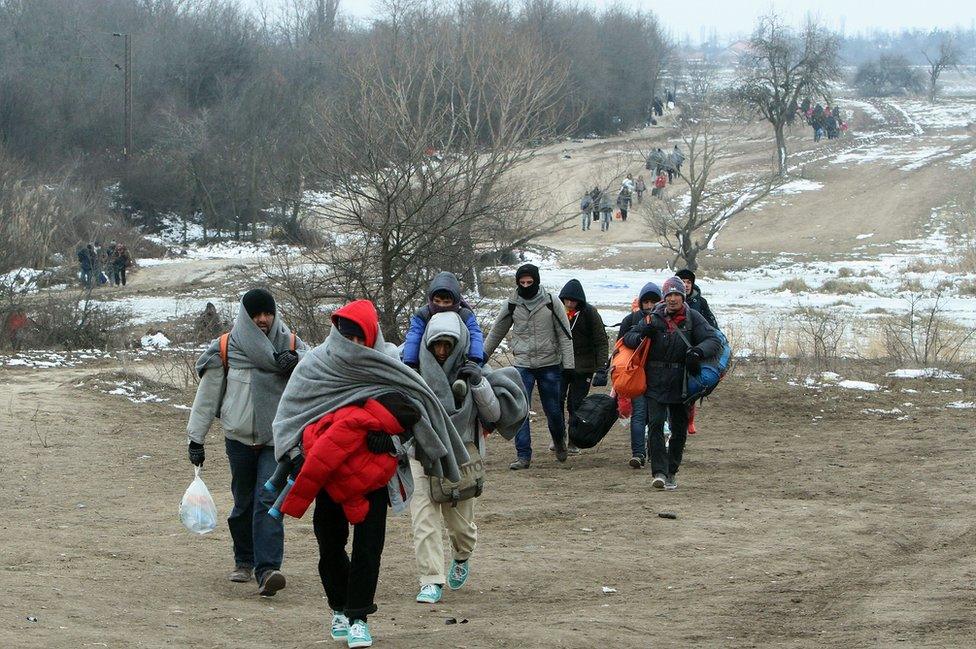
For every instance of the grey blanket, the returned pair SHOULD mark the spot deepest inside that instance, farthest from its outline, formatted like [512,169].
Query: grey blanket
[339,372]
[249,348]
[506,383]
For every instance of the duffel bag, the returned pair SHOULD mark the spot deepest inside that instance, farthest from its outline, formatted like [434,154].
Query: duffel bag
[592,420]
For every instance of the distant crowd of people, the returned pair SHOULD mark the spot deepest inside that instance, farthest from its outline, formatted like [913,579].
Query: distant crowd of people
[602,205]
[103,264]
[824,120]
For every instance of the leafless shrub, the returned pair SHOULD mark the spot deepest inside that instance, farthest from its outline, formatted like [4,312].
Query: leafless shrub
[818,334]
[924,336]
[72,321]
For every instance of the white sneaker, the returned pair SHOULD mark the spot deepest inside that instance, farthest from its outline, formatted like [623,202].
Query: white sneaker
[359,635]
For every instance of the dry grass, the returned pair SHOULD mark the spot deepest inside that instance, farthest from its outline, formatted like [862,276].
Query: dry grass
[795,285]
[845,287]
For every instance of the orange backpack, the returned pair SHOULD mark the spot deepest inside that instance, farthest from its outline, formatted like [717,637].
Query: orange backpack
[627,374]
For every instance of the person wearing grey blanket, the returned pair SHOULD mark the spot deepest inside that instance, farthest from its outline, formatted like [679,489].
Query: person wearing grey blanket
[242,386]
[355,363]
[475,398]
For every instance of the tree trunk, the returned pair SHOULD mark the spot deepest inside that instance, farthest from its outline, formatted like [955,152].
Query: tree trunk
[781,149]
[387,318]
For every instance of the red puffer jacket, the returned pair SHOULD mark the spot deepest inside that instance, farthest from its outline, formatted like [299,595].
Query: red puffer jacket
[337,460]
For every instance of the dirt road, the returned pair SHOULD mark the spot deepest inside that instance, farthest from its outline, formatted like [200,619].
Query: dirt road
[802,522]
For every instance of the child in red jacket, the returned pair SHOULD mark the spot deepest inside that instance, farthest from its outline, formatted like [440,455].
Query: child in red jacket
[339,459]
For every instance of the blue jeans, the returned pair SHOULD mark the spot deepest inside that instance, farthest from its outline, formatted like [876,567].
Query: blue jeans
[638,427]
[549,379]
[259,539]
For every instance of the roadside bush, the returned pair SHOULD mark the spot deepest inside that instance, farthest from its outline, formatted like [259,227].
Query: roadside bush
[72,321]
[818,334]
[924,336]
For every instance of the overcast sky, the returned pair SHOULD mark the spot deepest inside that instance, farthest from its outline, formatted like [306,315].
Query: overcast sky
[697,18]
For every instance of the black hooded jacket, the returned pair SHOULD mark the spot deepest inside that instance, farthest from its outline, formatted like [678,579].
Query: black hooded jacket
[700,304]
[590,343]
[665,361]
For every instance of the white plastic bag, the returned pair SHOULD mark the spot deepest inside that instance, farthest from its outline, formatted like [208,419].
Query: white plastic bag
[198,511]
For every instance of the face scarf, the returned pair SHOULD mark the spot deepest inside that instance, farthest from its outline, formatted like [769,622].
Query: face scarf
[528,292]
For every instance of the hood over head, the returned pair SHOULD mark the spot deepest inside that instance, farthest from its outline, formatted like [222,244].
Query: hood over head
[573,291]
[443,325]
[444,281]
[650,289]
[363,314]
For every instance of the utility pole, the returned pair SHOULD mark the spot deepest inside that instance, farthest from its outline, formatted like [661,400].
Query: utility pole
[127,97]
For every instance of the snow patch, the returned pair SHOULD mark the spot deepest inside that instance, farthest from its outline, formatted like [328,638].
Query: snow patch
[961,404]
[848,384]
[925,373]
[157,340]
[797,186]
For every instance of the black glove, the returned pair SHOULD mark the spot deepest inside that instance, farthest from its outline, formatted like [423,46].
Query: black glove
[379,442]
[197,455]
[693,360]
[471,373]
[601,378]
[646,329]
[287,360]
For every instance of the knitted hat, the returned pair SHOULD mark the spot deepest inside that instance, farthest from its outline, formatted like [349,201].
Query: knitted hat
[258,300]
[674,285]
[684,273]
[527,269]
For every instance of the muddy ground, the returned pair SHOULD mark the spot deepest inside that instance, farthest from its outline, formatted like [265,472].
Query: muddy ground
[801,522]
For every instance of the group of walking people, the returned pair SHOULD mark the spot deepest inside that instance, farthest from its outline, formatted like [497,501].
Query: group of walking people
[824,120]
[103,264]
[364,426]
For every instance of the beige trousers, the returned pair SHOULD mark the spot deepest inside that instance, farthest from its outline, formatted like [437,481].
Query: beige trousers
[429,519]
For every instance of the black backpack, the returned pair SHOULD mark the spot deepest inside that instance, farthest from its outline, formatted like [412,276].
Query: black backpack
[592,420]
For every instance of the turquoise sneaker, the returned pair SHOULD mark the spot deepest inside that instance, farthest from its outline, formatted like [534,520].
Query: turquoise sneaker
[359,635]
[458,575]
[340,626]
[429,594]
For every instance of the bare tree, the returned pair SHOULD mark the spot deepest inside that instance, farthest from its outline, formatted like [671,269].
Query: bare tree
[687,223]
[783,68]
[946,57]
[421,148]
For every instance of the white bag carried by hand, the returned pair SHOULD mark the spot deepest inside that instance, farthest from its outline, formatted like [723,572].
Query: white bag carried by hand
[198,511]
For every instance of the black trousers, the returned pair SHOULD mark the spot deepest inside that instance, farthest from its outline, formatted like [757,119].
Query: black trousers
[574,388]
[666,459]
[350,585]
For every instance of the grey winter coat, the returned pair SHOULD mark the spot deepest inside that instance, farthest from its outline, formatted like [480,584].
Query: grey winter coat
[247,405]
[540,331]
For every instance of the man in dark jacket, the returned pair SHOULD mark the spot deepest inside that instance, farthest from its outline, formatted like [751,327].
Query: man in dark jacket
[649,296]
[590,346]
[694,297]
[668,361]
